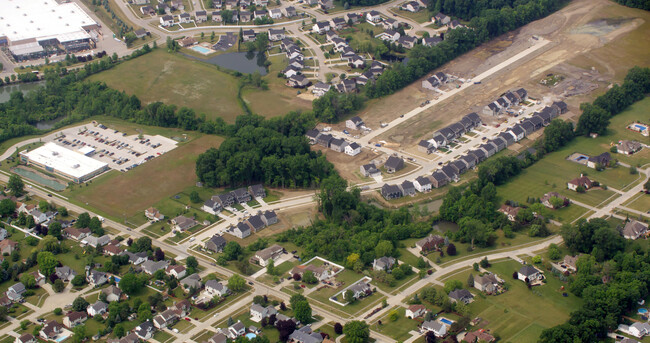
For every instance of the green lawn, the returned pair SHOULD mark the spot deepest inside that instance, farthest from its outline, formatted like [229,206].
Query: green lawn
[178,80]
[520,314]
[163,336]
[399,329]
[640,202]
[422,16]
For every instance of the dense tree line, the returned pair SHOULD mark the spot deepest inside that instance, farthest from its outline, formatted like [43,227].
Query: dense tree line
[274,152]
[610,281]
[487,19]
[642,4]
[333,106]
[353,228]
[595,117]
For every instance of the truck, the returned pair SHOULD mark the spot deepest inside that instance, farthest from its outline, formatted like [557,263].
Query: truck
[477,82]
[378,145]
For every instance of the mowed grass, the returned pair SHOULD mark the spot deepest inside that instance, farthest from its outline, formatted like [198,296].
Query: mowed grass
[520,314]
[176,80]
[125,194]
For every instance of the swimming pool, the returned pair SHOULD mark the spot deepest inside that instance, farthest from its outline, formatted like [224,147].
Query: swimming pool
[62,338]
[446,321]
[250,335]
[640,127]
[643,310]
[201,49]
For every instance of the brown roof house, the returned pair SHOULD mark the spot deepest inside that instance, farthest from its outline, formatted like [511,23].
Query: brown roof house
[51,330]
[430,243]
[581,181]
[73,319]
[510,211]
[546,200]
[634,229]
[319,272]
[487,283]
[7,246]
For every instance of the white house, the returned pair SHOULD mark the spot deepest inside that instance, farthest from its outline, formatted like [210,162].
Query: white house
[437,328]
[529,272]
[422,184]
[415,311]
[353,149]
[166,20]
[216,288]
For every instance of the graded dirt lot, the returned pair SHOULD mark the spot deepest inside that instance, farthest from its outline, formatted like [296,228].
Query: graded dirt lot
[125,194]
[348,166]
[608,37]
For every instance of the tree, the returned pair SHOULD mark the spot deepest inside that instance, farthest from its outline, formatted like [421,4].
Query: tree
[80,304]
[194,197]
[83,220]
[58,286]
[309,277]
[470,281]
[132,283]
[593,120]
[270,268]
[295,299]
[78,280]
[144,312]
[554,252]
[356,331]
[286,328]
[351,260]
[232,250]
[338,328]
[119,331]
[16,185]
[63,211]
[297,277]
[95,226]
[7,207]
[236,283]
[384,248]
[55,230]
[58,311]
[302,312]
[158,254]
[28,280]
[428,294]
[484,262]
[473,230]
[142,244]
[46,263]
[79,333]
[451,249]
[452,285]
[192,263]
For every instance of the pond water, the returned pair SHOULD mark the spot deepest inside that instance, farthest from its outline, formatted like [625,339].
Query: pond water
[6,90]
[444,226]
[243,62]
[48,124]
[38,178]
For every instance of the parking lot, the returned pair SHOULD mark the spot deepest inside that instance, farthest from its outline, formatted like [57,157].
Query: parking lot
[121,151]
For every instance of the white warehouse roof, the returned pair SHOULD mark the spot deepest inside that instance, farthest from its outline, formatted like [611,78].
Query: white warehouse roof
[44,19]
[64,160]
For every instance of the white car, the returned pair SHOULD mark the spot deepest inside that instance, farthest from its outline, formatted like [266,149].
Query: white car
[192,239]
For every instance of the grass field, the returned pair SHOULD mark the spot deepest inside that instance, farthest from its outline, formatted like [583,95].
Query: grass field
[278,99]
[174,79]
[422,16]
[515,320]
[142,187]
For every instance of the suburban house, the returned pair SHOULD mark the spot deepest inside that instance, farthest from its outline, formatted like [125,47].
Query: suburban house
[269,217]
[298,81]
[26,338]
[289,11]
[391,191]
[216,243]
[354,123]
[415,311]
[184,18]
[112,250]
[212,205]
[153,214]
[394,164]
[426,147]
[305,335]
[389,35]
[321,27]
[236,330]
[628,147]
[407,41]
[338,144]
[352,17]
[264,256]
[96,278]
[65,273]
[51,330]
[319,272]
[581,181]
[7,246]
[150,267]
[600,160]
[373,16]
[245,17]
[164,319]
[346,86]
[260,14]
[407,188]
[145,330]
[359,290]
[136,258]
[257,191]
[166,20]
[352,149]
[461,295]
[510,211]
[259,312]
[320,88]
[438,329]
[441,19]
[430,243]
[634,229]
[439,179]
[15,292]
[255,222]
[73,319]
[369,170]
[389,23]
[337,23]
[97,309]
[422,184]
[412,6]
[528,273]
[241,195]
[546,200]
[182,223]
[431,41]
[95,241]
[478,336]
[191,281]
[383,263]
[451,172]
[241,230]
[176,271]
[276,13]
[112,293]
[487,283]
[200,16]
[214,287]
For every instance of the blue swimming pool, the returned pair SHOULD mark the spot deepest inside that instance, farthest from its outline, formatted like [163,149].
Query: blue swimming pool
[643,310]
[250,335]
[640,127]
[446,321]
[201,49]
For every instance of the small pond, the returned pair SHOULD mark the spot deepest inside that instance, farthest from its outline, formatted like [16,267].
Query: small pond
[243,62]
[40,179]
[48,124]
[6,90]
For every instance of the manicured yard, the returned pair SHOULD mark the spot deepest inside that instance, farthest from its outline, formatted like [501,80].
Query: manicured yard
[422,16]
[399,329]
[163,336]
[640,203]
[520,314]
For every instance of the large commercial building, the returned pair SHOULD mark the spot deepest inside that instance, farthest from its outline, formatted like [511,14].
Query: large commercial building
[72,165]
[35,29]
